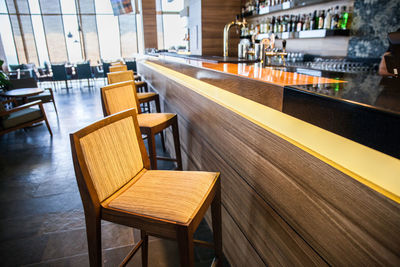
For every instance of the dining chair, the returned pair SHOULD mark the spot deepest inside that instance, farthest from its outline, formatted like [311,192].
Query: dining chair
[60,73]
[118,97]
[143,94]
[22,116]
[131,64]
[84,71]
[116,185]
[46,97]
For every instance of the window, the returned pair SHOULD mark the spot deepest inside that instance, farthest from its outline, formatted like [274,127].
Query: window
[38,30]
[72,37]
[174,27]
[108,30]
[7,35]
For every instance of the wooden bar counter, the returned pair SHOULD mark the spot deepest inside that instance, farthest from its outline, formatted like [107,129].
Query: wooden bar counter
[292,193]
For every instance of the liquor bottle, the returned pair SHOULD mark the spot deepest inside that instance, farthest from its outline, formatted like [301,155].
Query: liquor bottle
[335,19]
[328,18]
[284,24]
[294,23]
[306,24]
[350,19]
[273,25]
[299,24]
[312,21]
[321,19]
[344,16]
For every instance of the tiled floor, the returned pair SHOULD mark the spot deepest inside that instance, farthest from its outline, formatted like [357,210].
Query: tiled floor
[41,215]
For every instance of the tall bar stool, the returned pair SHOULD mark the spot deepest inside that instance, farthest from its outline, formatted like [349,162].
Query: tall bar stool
[114,68]
[111,168]
[143,95]
[118,97]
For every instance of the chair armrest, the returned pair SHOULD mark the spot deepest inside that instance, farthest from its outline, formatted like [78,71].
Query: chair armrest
[25,106]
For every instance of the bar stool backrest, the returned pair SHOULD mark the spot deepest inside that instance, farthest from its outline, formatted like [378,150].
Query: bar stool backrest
[118,97]
[109,154]
[120,76]
[118,68]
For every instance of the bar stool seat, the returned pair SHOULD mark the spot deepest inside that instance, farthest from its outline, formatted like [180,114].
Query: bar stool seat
[152,120]
[168,195]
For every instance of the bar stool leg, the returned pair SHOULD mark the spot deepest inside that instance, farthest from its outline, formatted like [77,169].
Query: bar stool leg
[217,223]
[145,248]
[152,150]
[175,132]
[93,232]
[162,140]
[185,244]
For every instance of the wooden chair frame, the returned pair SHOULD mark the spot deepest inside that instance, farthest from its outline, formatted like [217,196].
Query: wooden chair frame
[27,124]
[150,132]
[95,210]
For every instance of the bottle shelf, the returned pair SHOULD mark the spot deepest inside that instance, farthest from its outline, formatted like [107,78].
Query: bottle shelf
[322,33]
[285,6]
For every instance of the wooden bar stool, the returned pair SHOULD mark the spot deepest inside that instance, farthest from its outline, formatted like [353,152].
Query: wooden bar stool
[114,68]
[111,168]
[117,68]
[118,97]
[144,95]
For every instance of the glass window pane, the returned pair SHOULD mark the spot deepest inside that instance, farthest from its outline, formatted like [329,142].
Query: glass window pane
[8,40]
[174,31]
[38,30]
[176,5]
[107,26]
[89,30]
[127,27]
[72,37]
[40,39]
[53,26]
[103,7]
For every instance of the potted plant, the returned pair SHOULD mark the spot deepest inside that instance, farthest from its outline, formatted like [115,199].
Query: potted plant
[4,83]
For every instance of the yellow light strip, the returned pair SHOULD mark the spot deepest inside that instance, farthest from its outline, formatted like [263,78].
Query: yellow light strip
[368,166]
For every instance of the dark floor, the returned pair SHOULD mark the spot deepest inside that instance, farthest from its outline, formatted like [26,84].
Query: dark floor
[41,215]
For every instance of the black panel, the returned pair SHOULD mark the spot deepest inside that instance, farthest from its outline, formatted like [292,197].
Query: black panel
[371,127]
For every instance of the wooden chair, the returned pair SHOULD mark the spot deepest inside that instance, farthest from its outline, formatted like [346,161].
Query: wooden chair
[115,68]
[143,95]
[118,97]
[111,168]
[21,116]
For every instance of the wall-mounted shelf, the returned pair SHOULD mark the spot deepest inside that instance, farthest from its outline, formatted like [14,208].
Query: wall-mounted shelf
[323,33]
[285,6]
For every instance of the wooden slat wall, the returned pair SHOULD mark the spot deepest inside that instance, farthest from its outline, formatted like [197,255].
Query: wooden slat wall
[149,23]
[215,14]
[292,208]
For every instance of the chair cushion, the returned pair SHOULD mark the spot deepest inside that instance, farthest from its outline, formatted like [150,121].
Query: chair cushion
[168,195]
[153,119]
[21,116]
[45,97]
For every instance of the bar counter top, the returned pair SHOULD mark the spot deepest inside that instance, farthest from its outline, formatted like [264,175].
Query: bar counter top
[367,89]
[363,107]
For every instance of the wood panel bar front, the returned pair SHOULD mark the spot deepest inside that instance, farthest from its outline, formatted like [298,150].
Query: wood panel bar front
[287,205]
